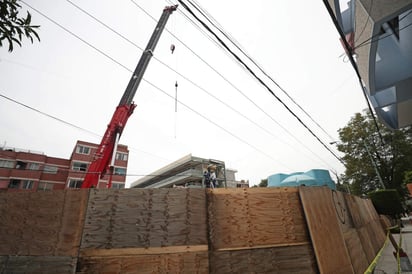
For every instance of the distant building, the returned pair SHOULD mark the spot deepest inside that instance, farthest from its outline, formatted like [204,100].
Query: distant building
[25,170]
[313,177]
[380,34]
[189,172]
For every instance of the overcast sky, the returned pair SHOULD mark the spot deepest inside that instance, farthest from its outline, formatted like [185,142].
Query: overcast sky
[80,69]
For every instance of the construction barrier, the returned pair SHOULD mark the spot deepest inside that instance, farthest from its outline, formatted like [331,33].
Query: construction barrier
[251,230]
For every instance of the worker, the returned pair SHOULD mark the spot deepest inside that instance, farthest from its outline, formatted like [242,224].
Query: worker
[211,176]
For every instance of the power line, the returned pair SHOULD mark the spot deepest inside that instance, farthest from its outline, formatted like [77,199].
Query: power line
[104,24]
[49,115]
[235,87]
[381,37]
[259,79]
[237,45]
[350,51]
[366,21]
[201,88]
[153,85]
[69,124]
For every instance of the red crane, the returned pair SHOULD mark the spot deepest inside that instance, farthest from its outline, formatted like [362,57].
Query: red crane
[105,155]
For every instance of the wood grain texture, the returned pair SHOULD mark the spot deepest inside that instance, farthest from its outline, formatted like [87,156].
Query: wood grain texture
[255,217]
[42,223]
[38,264]
[293,259]
[196,262]
[327,239]
[145,218]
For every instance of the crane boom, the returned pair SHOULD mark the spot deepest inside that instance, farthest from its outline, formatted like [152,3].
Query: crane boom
[107,148]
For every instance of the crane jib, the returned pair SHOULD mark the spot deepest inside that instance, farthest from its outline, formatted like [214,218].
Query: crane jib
[105,152]
[138,73]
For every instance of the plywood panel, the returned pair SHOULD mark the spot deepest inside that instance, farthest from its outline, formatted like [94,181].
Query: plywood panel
[357,216]
[342,211]
[42,223]
[189,263]
[255,217]
[350,234]
[38,264]
[367,222]
[293,259]
[327,239]
[145,218]
[355,249]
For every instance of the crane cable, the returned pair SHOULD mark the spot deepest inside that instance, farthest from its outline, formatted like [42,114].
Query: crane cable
[172,50]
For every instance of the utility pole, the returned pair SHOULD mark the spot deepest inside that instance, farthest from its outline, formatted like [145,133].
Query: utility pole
[374,165]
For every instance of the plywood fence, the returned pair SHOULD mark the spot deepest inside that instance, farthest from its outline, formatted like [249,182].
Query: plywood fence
[255,230]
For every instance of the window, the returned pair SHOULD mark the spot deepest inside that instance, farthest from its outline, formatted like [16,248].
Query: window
[119,171]
[21,165]
[75,183]
[34,166]
[50,169]
[394,25]
[79,166]
[82,149]
[121,156]
[117,186]
[27,184]
[15,184]
[6,163]
[44,186]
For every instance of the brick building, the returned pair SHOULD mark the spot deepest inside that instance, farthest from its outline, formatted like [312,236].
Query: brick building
[24,170]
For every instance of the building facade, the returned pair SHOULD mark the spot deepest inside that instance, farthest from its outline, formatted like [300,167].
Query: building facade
[189,171]
[24,170]
[379,35]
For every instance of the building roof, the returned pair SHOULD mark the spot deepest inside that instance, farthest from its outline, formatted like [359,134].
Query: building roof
[180,171]
[313,177]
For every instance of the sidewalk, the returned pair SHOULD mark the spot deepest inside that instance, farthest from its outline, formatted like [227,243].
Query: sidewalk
[387,263]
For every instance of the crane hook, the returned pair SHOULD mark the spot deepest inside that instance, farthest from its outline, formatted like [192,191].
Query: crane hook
[172,48]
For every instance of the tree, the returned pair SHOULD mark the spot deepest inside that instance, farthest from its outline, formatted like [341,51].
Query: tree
[14,28]
[263,183]
[366,155]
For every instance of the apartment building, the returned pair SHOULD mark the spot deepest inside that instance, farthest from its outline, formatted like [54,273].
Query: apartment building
[25,170]
[189,171]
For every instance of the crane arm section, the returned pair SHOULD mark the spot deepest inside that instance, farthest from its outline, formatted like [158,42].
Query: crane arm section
[104,154]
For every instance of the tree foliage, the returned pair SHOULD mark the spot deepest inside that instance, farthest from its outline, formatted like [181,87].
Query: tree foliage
[14,28]
[366,151]
[263,183]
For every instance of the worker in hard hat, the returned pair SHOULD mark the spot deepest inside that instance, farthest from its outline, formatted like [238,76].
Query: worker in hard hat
[212,176]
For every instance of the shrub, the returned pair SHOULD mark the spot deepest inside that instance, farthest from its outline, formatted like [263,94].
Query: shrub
[387,202]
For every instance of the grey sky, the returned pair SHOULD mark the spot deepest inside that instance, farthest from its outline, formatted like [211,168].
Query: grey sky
[294,41]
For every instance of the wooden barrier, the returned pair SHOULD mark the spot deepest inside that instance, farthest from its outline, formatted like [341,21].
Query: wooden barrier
[258,230]
[253,230]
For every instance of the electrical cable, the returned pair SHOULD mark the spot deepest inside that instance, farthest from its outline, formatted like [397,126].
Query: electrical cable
[237,45]
[381,37]
[70,124]
[153,85]
[260,80]
[61,169]
[366,21]
[49,115]
[350,51]
[201,88]
[286,130]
